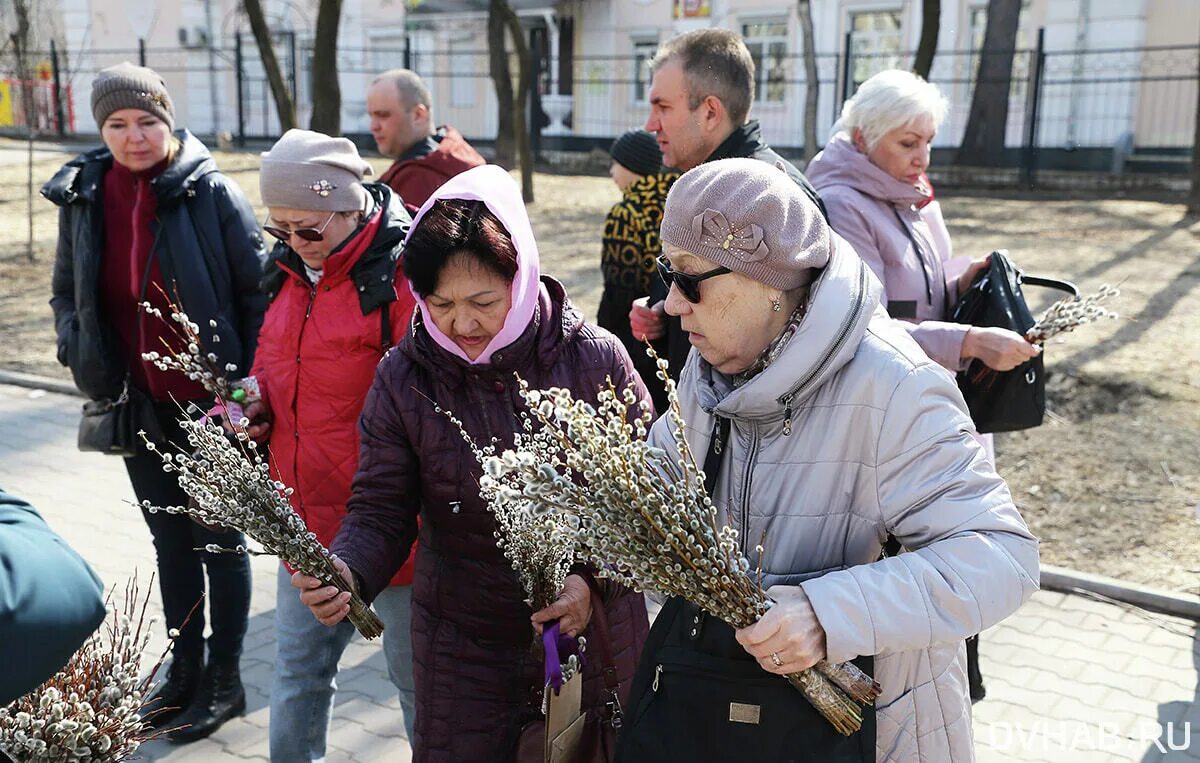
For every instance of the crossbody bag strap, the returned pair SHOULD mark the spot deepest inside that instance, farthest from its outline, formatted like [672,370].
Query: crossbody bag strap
[601,641]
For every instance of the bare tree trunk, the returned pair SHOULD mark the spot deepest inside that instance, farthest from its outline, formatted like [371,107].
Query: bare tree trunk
[266,51]
[502,81]
[931,17]
[812,82]
[326,90]
[521,103]
[1193,203]
[987,122]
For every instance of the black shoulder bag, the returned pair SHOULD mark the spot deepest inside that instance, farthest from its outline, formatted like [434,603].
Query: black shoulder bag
[698,696]
[1003,401]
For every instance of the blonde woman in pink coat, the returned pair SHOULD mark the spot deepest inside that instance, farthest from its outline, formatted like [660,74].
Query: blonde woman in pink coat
[872,179]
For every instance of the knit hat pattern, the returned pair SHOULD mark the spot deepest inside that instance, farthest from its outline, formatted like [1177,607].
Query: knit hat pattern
[126,86]
[638,152]
[750,217]
[312,171]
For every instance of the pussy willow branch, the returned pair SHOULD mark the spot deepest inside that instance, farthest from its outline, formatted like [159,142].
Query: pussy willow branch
[643,519]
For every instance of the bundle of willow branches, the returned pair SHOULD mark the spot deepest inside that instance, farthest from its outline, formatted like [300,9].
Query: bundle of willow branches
[183,350]
[228,479]
[95,707]
[1072,312]
[644,520]
[230,485]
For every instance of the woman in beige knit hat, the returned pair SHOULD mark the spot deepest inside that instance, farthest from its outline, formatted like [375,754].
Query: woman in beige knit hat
[338,303]
[148,217]
[827,429]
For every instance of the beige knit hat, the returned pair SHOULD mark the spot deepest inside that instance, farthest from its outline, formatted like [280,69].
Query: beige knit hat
[126,86]
[751,217]
[312,171]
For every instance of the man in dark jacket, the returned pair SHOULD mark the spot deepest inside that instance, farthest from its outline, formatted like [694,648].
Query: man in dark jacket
[700,98]
[50,599]
[402,124]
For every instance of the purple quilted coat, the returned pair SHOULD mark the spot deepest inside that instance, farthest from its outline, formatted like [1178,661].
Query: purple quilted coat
[475,673]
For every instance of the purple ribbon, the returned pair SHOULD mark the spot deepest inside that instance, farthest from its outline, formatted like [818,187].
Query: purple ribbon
[556,643]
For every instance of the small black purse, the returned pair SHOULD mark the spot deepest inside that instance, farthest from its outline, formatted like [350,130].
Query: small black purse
[111,425]
[1003,401]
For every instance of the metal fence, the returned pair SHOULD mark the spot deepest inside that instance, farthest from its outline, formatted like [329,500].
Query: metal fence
[1102,110]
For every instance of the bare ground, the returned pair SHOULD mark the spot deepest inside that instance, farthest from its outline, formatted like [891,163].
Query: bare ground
[1111,483]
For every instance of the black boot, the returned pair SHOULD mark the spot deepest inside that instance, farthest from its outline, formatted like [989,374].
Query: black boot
[974,676]
[174,694]
[219,698]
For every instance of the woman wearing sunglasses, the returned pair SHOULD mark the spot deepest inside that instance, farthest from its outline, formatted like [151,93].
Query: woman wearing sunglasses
[337,305]
[148,217]
[485,315]
[826,429]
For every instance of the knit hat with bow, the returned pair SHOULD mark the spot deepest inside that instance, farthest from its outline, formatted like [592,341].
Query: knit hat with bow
[312,171]
[751,217]
[126,86]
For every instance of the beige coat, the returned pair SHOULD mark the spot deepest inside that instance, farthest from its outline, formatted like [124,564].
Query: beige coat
[880,443]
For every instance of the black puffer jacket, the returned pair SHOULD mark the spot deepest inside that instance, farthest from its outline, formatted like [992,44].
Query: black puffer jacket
[208,246]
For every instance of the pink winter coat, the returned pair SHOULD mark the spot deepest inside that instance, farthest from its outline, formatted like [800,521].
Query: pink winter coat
[904,243]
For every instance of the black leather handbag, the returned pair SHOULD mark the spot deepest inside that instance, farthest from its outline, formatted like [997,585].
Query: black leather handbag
[1004,401]
[111,425]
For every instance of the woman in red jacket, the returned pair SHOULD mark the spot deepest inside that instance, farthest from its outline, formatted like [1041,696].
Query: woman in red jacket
[485,314]
[335,311]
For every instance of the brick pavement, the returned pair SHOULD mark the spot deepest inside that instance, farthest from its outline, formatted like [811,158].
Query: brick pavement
[1069,678]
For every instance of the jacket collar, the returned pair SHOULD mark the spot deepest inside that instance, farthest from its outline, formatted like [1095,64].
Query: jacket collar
[841,304]
[841,163]
[369,270]
[81,178]
[555,322]
[745,140]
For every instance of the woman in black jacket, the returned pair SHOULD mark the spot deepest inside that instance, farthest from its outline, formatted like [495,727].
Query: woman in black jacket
[148,217]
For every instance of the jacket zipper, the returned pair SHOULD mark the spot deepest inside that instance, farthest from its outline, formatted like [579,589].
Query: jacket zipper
[751,454]
[312,297]
[843,334]
[920,255]
[657,676]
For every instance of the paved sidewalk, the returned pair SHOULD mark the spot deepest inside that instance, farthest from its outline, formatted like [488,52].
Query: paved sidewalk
[1068,678]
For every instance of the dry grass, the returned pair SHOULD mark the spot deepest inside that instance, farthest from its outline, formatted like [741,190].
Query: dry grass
[1112,481]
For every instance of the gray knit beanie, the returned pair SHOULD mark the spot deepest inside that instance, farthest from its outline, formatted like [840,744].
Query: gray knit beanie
[126,86]
[312,171]
[752,218]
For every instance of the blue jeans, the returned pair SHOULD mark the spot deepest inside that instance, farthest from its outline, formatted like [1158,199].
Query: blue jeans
[306,665]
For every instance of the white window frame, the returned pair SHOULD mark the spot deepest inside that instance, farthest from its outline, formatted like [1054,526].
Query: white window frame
[763,43]
[644,47]
[873,41]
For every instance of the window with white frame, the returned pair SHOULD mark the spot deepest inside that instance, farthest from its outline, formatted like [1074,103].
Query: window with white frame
[767,40]
[875,44]
[643,51]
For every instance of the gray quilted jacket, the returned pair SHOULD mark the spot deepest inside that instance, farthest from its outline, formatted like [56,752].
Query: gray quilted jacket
[879,443]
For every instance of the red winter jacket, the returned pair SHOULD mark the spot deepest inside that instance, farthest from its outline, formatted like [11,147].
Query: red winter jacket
[415,179]
[316,359]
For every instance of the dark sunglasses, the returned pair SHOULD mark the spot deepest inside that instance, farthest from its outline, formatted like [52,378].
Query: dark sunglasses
[689,285]
[308,234]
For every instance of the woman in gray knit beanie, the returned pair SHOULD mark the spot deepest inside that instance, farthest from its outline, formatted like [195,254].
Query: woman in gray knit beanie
[338,302]
[148,218]
[826,429]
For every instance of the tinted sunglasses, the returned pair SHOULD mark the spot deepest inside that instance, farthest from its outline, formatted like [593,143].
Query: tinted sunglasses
[308,234]
[689,285]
